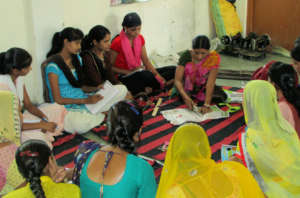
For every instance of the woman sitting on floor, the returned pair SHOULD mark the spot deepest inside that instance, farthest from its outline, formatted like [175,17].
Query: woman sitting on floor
[10,132]
[270,146]
[95,58]
[196,74]
[63,72]
[38,166]
[113,170]
[127,55]
[284,78]
[189,170]
[15,63]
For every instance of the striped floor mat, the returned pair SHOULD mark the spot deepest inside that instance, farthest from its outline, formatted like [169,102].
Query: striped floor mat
[65,147]
[157,130]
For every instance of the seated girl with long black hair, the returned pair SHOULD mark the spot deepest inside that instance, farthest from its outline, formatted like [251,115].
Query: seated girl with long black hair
[63,73]
[95,58]
[38,166]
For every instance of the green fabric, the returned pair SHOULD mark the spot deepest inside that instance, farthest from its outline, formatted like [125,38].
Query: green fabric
[217,18]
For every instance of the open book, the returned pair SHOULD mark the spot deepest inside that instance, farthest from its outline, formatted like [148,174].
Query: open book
[180,116]
[108,92]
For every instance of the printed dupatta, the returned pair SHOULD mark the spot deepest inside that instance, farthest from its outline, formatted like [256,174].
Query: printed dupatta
[196,74]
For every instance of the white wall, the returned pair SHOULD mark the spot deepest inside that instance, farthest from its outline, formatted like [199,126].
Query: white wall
[168,25]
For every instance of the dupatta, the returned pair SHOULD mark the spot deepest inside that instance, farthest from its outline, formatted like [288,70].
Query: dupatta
[271,141]
[190,172]
[132,55]
[10,127]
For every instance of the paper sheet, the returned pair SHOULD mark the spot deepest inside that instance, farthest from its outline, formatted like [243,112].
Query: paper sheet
[108,92]
[180,116]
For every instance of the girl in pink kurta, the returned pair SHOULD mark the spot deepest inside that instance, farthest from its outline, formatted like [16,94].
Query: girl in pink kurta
[285,78]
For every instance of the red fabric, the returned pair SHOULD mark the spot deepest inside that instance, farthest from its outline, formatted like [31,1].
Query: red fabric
[262,72]
[116,46]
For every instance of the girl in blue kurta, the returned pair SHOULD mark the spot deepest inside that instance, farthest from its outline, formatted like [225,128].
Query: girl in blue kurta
[64,83]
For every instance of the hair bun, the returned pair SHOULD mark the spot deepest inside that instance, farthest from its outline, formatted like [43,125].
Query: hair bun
[287,81]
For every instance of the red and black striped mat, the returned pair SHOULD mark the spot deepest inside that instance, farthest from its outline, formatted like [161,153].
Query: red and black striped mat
[157,130]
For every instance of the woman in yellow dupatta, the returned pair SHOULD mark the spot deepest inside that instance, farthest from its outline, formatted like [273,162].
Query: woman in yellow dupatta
[10,128]
[270,146]
[189,171]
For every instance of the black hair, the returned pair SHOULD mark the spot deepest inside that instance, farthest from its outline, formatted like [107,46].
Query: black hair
[14,58]
[295,53]
[69,33]
[97,33]
[285,78]
[131,20]
[32,157]
[201,42]
[124,120]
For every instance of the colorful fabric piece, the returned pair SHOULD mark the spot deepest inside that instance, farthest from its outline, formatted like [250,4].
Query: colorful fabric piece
[271,142]
[225,18]
[51,189]
[189,171]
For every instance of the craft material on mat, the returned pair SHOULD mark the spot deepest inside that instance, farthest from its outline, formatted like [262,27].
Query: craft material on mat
[109,91]
[234,97]
[180,116]
[157,107]
[227,151]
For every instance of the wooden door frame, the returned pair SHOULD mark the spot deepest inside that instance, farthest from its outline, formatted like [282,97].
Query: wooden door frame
[250,15]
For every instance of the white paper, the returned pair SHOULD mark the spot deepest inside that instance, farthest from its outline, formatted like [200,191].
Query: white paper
[180,116]
[108,92]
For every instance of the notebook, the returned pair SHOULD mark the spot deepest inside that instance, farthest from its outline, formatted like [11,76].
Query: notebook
[108,92]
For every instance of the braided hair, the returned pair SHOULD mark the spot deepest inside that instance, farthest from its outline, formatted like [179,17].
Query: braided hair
[31,158]
[285,78]
[124,120]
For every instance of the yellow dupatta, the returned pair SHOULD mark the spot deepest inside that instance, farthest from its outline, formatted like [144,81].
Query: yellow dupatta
[10,127]
[271,141]
[189,171]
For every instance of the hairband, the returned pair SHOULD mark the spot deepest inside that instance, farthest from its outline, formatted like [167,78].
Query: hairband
[29,154]
[133,108]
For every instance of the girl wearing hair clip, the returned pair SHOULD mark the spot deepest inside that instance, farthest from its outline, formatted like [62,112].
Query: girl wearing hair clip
[114,170]
[38,166]
[285,78]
